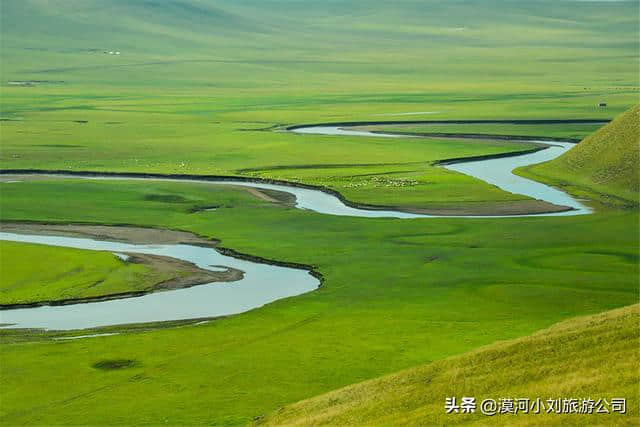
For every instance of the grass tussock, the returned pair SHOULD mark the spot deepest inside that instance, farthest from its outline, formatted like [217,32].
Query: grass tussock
[114,364]
[587,357]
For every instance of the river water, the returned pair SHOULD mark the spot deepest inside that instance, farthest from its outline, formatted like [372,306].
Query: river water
[262,283]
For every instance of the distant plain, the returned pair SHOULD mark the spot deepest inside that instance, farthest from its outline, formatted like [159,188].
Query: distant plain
[203,87]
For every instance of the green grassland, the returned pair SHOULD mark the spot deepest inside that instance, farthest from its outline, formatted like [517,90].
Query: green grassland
[183,86]
[183,97]
[357,167]
[195,88]
[262,50]
[64,273]
[196,80]
[533,367]
[454,285]
[604,165]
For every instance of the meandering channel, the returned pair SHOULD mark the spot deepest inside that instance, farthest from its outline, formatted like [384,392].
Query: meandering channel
[494,170]
[497,171]
[262,283]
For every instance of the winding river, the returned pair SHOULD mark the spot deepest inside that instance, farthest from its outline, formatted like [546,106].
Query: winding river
[262,283]
[496,171]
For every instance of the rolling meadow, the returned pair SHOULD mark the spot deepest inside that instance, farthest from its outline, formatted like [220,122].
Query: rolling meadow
[203,87]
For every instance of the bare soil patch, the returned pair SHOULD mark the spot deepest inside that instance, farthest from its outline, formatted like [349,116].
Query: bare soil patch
[125,234]
[186,274]
[182,274]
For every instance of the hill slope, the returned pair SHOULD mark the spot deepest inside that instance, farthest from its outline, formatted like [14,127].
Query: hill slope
[594,356]
[604,163]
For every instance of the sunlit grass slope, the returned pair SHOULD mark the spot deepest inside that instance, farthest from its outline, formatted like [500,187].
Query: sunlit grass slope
[604,165]
[587,357]
[31,273]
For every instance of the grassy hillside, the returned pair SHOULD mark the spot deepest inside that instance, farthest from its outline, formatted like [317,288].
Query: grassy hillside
[605,165]
[587,357]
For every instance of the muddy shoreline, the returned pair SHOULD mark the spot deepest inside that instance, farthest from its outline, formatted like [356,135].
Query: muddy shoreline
[124,233]
[142,235]
[549,208]
[542,207]
[205,277]
[185,274]
[484,157]
[478,136]
[454,122]
[57,229]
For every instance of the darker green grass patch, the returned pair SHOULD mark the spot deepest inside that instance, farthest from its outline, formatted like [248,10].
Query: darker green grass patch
[166,198]
[60,145]
[624,256]
[114,364]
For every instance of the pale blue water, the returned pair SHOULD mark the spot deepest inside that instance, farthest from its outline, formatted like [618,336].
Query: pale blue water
[262,284]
